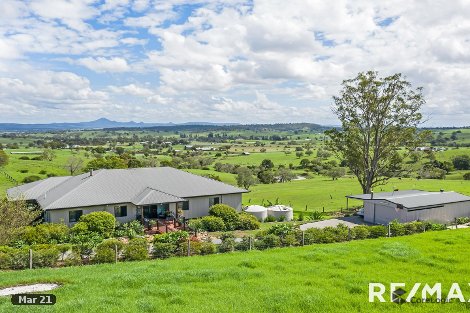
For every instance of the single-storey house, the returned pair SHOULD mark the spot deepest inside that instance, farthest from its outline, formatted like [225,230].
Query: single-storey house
[414,205]
[128,194]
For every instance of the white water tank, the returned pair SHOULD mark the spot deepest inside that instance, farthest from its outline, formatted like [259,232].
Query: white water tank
[281,210]
[258,211]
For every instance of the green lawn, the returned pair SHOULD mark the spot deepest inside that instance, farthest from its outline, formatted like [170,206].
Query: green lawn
[317,278]
[321,191]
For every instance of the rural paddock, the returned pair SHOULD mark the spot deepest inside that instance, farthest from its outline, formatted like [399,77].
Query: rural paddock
[350,221]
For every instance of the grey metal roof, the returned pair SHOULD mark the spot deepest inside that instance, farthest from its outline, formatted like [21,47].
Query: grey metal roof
[125,186]
[385,195]
[416,198]
[35,189]
[149,196]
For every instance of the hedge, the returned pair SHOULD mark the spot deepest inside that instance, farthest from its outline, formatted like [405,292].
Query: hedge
[176,244]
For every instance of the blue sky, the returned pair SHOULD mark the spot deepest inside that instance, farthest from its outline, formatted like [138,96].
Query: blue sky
[227,61]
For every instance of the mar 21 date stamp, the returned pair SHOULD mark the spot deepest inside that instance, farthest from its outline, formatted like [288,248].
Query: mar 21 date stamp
[33,299]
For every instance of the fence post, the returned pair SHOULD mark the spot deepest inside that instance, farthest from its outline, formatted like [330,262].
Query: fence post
[389,232]
[303,237]
[189,246]
[249,242]
[115,254]
[30,259]
[323,209]
[455,219]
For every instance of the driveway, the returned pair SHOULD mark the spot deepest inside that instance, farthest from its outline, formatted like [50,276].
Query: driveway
[350,221]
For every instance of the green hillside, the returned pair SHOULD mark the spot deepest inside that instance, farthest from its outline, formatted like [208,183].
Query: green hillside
[317,278]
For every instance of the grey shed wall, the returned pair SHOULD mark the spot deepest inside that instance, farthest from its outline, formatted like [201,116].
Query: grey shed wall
[386,212]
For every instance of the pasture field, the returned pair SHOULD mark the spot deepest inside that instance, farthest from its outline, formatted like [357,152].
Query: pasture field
[320,192]
[316,193]
[316,278]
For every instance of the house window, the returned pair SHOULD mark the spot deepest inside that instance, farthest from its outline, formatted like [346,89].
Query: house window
[120,211]
[213,201]
[74,216]
[47,217]
[183,206]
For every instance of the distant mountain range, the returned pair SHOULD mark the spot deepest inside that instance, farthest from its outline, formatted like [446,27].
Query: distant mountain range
[97,124]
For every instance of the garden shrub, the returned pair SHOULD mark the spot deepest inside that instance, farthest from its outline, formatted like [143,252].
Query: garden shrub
[462,220]
[261,233]
[227,245]
[281,218]
[196,225]
[105,252]
[101,222]
[436,226]
[79,228]
[130,230]
[45,233]
[360,232]
[328,235]
[269,219]
[208,248]
[195,248]
[311,236]
[5,261]
[268,241]
[63,249]
[136,249]
[83,243]
[289,240]
[378,231]
[248,222]
[342,233]
[244,245]
[227,235]
[282,230]
[6,257]
[163,250]
[466,176]
[397,229]
[212,223]
[19,258]
[46,256]
[73,259]
[228,214]
[174,238]
[413,227]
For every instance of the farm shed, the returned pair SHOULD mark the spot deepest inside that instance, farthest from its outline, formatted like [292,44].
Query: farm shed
[414,205]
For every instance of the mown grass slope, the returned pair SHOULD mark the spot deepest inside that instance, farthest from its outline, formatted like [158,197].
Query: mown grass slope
[317,278]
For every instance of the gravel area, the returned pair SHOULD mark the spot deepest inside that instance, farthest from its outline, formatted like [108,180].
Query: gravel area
[27,289]
[333,222]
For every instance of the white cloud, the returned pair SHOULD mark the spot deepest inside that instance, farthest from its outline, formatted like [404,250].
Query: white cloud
[131,89]
[100,64]
[269,60]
